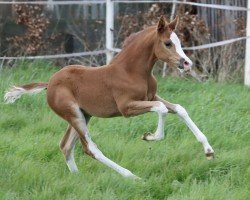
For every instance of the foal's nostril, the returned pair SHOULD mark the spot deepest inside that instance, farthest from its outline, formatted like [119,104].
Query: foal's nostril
[182,60]
[186,62]
[181,63]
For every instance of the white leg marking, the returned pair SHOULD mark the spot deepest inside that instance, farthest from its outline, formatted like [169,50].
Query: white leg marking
[70,160]
[102,158]
[162,112]
[160,108]
[197,133]
[97,153]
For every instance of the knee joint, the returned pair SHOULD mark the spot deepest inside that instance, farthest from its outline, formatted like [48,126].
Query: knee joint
[160,108]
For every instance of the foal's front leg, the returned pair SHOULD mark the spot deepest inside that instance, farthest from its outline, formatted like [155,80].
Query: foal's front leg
[182,113]
[140,107]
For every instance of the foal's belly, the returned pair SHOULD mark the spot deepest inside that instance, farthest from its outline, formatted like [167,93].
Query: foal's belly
[98,104]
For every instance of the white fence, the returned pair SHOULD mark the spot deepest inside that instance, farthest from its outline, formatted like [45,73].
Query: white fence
[110,27]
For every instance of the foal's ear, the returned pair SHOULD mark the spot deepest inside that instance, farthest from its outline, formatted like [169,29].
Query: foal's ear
[161,24]
[172,25]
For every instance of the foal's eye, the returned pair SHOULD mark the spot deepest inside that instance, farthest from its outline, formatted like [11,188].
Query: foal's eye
[168,44]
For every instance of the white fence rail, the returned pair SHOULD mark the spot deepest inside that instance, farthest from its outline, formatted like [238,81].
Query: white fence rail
[50,2]
[67,55]
[247,52]
[109,30]
[110,27]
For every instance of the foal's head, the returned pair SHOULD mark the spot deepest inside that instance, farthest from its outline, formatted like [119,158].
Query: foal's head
[168,47]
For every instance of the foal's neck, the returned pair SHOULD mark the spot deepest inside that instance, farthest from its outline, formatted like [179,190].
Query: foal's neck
[138,56]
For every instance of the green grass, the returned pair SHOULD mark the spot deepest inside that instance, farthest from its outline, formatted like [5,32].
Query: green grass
[32,166]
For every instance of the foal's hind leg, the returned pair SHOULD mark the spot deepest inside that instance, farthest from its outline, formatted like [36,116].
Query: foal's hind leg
[78,121]
[67,145]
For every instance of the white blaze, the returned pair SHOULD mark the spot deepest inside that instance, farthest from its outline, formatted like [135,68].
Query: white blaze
[174,38]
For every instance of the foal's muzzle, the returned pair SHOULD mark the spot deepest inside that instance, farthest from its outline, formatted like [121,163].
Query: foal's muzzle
[184,65]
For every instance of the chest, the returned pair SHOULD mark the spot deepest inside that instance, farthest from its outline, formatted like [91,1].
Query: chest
[151,88]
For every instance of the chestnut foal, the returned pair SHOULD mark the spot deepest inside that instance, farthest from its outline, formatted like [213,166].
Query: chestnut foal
[125,87]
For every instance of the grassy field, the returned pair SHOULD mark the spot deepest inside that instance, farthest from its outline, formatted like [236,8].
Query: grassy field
[32,166]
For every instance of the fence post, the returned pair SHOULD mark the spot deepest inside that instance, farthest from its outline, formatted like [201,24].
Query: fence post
[247,55]
[109,30]
[164,69]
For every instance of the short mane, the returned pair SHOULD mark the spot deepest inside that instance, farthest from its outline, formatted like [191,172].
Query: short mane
[129,39]
[132,36]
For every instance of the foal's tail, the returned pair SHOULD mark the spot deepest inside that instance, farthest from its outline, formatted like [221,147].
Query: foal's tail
[15,92]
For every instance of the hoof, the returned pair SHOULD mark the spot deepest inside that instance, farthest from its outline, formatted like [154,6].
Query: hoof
[210,156]
[147,135]
[150,137]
